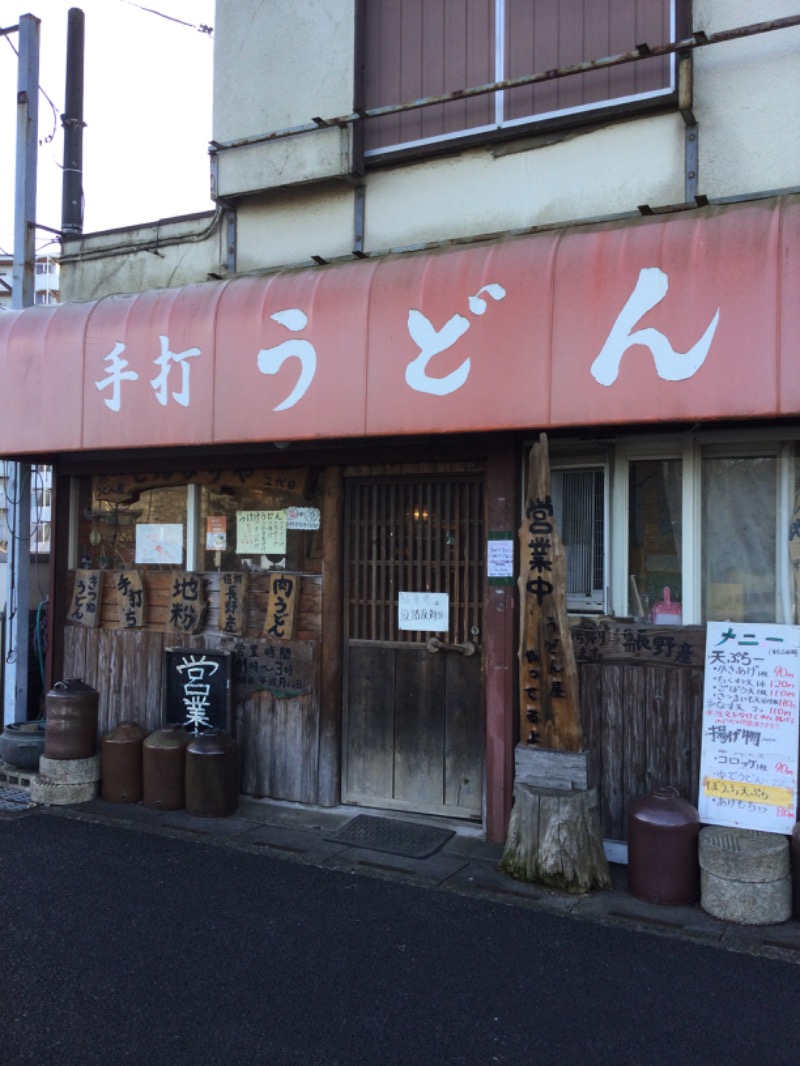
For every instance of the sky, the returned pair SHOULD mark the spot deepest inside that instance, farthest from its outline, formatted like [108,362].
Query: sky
[147,110]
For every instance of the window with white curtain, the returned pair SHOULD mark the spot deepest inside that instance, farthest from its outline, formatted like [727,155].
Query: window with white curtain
[699,527]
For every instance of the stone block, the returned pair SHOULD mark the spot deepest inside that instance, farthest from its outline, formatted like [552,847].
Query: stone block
[54,793]
[743,854]
[70,771]
[746,902]
[745,875]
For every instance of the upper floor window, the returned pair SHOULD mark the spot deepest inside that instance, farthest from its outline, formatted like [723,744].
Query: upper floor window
[417,49]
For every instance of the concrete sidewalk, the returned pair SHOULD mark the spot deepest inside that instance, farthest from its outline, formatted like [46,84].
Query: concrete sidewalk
[466,864]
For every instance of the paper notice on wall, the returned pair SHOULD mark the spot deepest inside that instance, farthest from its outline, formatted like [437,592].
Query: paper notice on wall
[216,533]
[261,532]
[500,559]
[748,765]
[302,518]
[428,611]
[160,543]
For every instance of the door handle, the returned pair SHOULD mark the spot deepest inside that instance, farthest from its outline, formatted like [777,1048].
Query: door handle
[466,649]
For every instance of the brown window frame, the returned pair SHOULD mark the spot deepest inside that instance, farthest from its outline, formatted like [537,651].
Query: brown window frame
[416,74]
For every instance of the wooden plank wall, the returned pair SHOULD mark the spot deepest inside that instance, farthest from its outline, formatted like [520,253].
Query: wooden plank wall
[278,738]
[641,692]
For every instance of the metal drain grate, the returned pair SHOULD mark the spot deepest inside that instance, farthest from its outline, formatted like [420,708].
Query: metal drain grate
[15,799]
[410,839]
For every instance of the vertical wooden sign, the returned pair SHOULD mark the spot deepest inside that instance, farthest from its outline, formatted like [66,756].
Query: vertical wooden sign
[187,605]
[549,707]
[281,600]
[86,598]
[233,602]
[130,598]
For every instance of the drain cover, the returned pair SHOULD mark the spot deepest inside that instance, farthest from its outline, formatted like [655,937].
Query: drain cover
[410,839]
[15,799]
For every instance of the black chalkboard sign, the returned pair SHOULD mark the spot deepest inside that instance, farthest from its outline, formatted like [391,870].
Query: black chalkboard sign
[197,689]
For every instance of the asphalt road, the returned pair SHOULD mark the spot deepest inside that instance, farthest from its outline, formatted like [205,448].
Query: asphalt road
[119,946]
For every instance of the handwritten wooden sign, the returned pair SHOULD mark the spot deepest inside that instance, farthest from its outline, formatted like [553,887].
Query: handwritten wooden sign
[84,610]
[127,488]
[129,588]
[187,605]
[281,601]
[283,668]
[611,641]
[233,602]
[751,707]
[549,709]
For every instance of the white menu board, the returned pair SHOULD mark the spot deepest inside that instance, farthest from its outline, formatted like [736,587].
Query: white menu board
[748,765]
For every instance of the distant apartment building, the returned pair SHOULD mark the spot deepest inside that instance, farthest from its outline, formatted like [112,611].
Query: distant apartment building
[46,282]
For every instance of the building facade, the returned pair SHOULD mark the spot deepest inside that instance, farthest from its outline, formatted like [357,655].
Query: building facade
[297,436]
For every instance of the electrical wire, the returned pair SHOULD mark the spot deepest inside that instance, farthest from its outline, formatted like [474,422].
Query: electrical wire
[50,136]
[200,27]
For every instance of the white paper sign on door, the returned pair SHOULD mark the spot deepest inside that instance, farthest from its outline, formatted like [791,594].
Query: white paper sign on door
[428,611]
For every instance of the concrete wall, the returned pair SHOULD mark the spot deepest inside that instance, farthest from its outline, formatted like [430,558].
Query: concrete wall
[278,65]
[154,255]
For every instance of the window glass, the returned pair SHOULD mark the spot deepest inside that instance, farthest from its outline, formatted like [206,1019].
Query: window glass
[739,515]
[654,541]
[579,513]
[220,532]
[107,528]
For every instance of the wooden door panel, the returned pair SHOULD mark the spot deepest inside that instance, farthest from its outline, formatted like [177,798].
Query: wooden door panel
[464,744]
[369,761]
[413,718]
[419,714]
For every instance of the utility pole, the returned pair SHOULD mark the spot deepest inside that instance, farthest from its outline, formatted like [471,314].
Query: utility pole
[15,696]
[72,122]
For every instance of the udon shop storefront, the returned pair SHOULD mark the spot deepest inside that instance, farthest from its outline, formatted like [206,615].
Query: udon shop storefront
[315,476]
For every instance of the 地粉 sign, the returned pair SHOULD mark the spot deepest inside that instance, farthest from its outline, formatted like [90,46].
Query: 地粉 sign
[748,766]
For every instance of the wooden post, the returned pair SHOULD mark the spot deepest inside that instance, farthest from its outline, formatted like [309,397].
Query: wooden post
[498,645]
[548,675]
[554,834]
[330,697]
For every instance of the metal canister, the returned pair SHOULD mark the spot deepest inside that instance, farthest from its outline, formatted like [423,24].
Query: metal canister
[212,774]
[663,865]
[121,751]
[164,768]
[71,720]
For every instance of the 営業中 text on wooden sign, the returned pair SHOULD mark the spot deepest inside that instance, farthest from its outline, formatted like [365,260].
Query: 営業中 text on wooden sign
[549,708]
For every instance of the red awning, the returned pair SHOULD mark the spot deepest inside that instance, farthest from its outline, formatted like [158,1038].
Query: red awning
[688,316]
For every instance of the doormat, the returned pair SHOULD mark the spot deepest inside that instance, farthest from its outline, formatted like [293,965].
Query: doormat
[15,799]
[409,839]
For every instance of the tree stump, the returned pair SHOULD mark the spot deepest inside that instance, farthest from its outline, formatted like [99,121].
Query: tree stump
[555,839]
